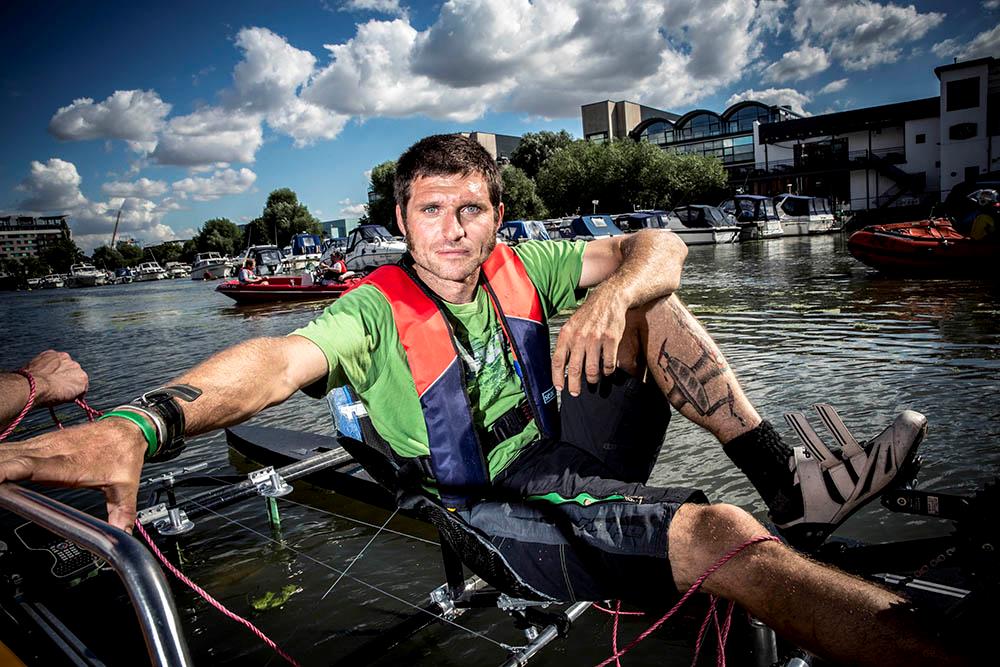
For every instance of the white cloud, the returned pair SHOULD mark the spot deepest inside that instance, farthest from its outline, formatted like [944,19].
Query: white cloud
[390,7]
[350,209]
[991,4]
[208,136]
[269,73]
[143,187]
[219,184]
[544,58]
[984,44]
[53,186]
[780,96]
[833,87]
[131,115]
[305,122]
[861,34]
[797,64]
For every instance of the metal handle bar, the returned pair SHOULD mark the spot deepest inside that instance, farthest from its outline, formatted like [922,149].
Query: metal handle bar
[135,566]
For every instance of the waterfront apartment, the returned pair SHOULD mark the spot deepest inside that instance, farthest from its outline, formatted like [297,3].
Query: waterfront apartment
[26,236]
[907,154]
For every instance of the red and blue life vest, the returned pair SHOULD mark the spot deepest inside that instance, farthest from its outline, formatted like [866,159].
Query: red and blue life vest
[457,458]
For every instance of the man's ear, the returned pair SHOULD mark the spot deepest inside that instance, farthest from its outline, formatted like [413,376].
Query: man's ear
[399,220]
[499,216]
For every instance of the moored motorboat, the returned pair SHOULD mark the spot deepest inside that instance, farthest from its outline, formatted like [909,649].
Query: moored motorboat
[926,247]
[209,266]
[755,216]
[283,288]
[149,271]
[86,275]
[801,215]
[52,281]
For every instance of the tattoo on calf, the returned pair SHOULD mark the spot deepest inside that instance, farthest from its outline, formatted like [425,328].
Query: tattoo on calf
[690,381]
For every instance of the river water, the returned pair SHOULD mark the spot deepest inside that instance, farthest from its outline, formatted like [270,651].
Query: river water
[798,318]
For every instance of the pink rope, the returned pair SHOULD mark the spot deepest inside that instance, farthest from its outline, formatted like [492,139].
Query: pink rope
[211,600]
[27,406]
[722,631]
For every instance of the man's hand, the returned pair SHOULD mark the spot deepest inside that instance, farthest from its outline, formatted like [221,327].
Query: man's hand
[105,455]
[58,378]
[588,342]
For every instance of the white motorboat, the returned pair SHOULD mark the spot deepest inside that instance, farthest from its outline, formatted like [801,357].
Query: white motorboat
[178,269]
[86,275]
[804,215]
[149,271]
[371,246]
[303,254]
[52,281]
[209,266]
[755,216]
[695,225]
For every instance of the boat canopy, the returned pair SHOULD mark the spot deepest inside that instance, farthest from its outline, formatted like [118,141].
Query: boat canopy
[306,244]
[591,225]
[632,222]
[701,216]
[798,205]
[750,208]
[523,230]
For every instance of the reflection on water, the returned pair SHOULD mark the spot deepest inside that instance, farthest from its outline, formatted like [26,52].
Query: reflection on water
[798,319]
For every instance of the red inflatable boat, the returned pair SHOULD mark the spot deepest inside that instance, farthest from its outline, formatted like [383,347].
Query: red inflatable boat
[927,247]
[283,288]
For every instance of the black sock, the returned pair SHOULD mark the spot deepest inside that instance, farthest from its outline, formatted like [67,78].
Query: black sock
[764,459]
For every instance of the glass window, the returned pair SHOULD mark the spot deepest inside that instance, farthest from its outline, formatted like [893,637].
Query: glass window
[742,120]
[921,139]
[962,93]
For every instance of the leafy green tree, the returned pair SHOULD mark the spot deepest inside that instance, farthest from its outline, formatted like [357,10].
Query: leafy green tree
[61,253]
[106,257]
[381,208]
[283,217]
[218,235]
[190,250]
[163,253]
[536,147]
[624,175]
[131,253]
[520,200]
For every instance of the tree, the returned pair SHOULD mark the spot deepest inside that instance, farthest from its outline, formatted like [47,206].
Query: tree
[381,208]
[624,175]
[219,235]
[520,200]
[61,253]
[283,217]
[536,147]
[106,257]
[131,253]
[163,253]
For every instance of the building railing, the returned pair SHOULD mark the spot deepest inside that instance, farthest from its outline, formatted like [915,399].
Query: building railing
[859,159]
[134,564]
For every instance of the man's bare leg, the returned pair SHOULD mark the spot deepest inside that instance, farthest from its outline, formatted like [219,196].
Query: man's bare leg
[831,614]
[691,370]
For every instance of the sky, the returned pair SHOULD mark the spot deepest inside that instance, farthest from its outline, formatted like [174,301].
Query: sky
[176,113]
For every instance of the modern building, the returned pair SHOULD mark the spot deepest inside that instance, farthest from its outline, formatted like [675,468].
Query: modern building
[728,136]
[890,156]
[338,228]
[500,146]
[26,236]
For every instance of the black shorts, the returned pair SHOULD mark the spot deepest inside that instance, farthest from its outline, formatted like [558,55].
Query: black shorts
[591,528]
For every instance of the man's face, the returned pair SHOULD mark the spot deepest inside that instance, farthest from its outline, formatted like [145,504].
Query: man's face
[450,225]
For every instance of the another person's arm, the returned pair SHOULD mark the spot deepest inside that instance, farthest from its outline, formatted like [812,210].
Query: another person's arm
[625,272]
[58,379]
[108,454]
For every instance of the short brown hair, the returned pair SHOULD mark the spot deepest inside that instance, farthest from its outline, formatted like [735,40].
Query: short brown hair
[446,155]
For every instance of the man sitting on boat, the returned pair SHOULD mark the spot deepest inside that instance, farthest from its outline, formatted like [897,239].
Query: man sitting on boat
[247,275]
[334,269]
[449,353]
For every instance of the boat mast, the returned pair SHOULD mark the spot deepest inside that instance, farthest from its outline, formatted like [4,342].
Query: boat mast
[114,234]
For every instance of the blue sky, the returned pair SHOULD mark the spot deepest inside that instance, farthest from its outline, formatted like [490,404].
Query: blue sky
[180,112]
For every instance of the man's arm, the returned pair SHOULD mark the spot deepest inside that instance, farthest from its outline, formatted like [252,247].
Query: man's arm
[236,384]
[58,379]
[628,272]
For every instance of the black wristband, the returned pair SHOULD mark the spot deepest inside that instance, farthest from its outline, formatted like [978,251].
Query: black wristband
[163,402]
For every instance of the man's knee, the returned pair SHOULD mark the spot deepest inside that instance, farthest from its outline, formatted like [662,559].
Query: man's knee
[700,535]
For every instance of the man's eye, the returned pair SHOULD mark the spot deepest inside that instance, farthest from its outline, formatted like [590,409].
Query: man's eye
[471,209]
[430,209]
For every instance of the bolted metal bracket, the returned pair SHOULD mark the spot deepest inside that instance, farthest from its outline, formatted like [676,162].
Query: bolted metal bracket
[441,597]
[166,521]
[269,483]
[509,604]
